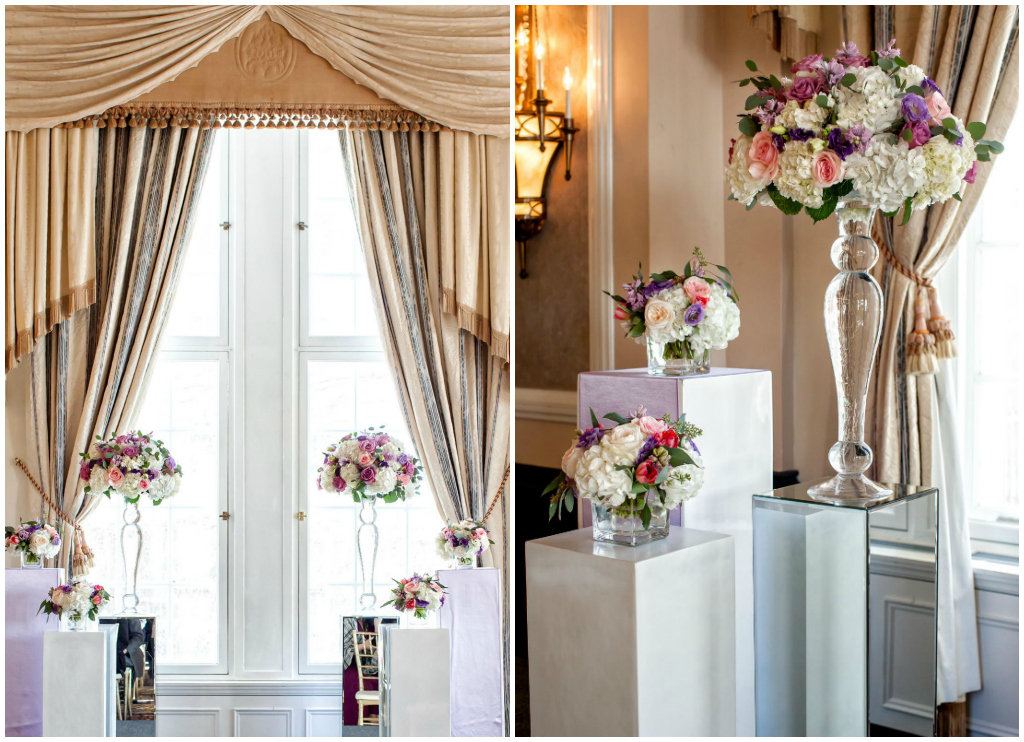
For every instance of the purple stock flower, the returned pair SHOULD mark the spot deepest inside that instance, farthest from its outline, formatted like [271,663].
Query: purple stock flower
[914,108]
[860,135]
[66,588]
[170,464]
[645,450]
[838,143]
[56,540]
[970,174]
[654,287]
[779,141]
[800,135]
[849,55]
[635,298]
[928,86]
[890,50]
[768,111]
[589,437]
[694,314]
[834,72]
[368,475]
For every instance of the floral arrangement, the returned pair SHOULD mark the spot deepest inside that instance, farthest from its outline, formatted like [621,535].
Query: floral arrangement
[688,314]
[76,600]
[638,462]
[875,125]
[370,465]
[463,541]
[130,465]
[34,540]
[419,595]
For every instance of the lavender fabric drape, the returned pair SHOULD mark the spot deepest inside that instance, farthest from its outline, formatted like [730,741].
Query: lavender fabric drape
[89,376]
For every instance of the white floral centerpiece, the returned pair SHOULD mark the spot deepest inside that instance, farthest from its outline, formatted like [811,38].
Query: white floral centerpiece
[680,318]
[463,542]
[77,603]
[417,596]
[130,465]
[633,473]
[34,541]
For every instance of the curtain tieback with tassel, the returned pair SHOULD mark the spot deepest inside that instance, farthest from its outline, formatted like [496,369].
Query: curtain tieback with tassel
[82,557]
[932,337]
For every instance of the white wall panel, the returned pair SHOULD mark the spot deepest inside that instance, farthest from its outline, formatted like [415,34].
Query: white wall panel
[187,722]
[257,722]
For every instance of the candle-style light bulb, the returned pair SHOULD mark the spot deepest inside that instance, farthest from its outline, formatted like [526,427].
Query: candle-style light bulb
[567,84]
[538,53]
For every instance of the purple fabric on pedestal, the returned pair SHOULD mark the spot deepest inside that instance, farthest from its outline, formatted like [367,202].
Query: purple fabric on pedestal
[472,614]
[23,642]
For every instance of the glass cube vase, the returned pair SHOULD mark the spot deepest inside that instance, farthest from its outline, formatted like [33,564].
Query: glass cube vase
[676,359]
[623,524]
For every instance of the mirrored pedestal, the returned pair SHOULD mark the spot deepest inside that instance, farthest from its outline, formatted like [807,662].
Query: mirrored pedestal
[844,613]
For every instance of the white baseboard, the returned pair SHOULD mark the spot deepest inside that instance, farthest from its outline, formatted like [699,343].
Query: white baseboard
[546,405]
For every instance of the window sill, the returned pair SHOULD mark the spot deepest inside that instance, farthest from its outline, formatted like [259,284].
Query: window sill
[991,574]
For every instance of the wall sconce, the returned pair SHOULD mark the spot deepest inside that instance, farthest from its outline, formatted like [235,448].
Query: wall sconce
[539,131]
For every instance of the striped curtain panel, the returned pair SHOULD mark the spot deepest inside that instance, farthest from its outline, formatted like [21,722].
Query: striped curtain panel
[972,54]
[454,389]
[89,376]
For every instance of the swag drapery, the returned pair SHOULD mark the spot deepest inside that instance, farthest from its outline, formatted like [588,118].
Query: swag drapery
[417,198]
[88,377]
[64,64]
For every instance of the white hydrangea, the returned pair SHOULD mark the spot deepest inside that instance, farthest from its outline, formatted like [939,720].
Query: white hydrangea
[721,323]
[98,481]
[887,174]
[744,186]
[598,479]
[678,330]
[945,165]
[350,473]
[912,75]
[809,116]
[164,486]
[871,101]
[794,179]
[683,482]
[384,483]
[347,449]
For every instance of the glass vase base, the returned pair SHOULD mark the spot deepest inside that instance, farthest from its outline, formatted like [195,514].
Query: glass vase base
[848,488]
[616,527]
[685,368]
[629,538]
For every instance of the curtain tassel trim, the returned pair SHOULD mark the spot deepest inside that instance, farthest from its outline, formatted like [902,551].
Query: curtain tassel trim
[945,341]
[369,117]
[475,323]
[58,310]
[921,351]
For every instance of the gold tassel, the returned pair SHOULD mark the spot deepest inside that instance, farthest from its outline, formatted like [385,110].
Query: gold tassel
[921,343]
[945,341]
[82,561]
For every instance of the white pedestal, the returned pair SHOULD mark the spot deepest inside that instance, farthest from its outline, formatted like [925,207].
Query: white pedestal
[472,613]
[416,682]
[733,406]
[79,695]
[631,641]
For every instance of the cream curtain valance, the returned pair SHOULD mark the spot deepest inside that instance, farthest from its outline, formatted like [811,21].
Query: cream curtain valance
[449,64]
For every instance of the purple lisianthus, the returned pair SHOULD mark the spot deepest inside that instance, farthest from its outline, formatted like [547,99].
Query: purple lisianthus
[368,475]
[589,437]
[920,132]
[23,534]
[779,141]
[403,459]
[914,108]
[801,135]
[804,88]
[170,464]
[655,286]
[339,483]
[409,468]
[810,63]
[860,135]
[890,50]
[694,314]
[849,55]
[66,588]
[928,86]
[839,144]
[55,540]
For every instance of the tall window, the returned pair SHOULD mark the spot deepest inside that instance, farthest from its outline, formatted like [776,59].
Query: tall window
[990,335]
[345,384]
[182,574]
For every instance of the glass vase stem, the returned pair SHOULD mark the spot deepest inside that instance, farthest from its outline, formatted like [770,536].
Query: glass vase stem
[367,538]
[853,326]
[131,555]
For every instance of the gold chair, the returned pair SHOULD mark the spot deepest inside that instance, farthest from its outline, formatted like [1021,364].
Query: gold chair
[365,645]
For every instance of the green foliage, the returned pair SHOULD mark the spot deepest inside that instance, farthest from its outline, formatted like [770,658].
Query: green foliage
[748,126]
[753,101]
[751,66]
[787,206]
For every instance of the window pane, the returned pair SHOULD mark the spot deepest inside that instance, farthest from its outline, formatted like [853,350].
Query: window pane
[179,572]
[343,396]
[997,446]
[1001,198]
[197,303]
[338,299]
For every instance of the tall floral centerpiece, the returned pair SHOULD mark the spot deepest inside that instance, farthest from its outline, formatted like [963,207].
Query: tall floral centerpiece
[463,542]
[681,318]
[371,465]
[132,466]
[76,603]
[633,472]
[416,597]
[33,541]
[850,135]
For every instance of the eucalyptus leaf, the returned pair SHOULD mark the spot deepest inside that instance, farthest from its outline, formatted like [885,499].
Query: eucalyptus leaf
[822,101]
[570,501]
[848,79]
[751,66]
[776,82]
[748,126]
[977,129]
[916,90]
[753,101]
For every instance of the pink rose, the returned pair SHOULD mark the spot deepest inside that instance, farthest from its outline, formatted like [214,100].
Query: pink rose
[969,175]
[697,290]
[827,168]
[143,484]
[938,109]
[97,599]
[365,459]
[763,157]
[650,425]
[810,63]
[921,134]
[404,478]
[115,477]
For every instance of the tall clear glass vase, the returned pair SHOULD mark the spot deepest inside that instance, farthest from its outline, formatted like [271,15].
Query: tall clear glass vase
[131,555]
[853,325]
[367,539]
